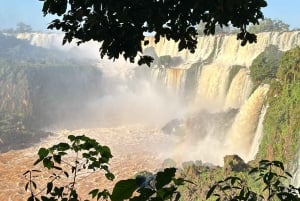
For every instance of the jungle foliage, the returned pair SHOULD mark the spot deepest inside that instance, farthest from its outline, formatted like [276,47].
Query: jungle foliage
[264,67]
[281,125]
[269,175]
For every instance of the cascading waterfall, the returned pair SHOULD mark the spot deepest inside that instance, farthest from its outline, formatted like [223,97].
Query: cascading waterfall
[212,87]
[216,79]
[171,78]
[258,134]
[241,135]
[222,83]
[239,90]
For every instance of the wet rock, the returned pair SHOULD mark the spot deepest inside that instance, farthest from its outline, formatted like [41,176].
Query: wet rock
[234,163]
[168,163]
[173,127]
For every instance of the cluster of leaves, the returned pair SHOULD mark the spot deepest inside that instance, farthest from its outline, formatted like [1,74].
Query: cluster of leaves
[161,186]
[271,175]
[90,156]
[120,26]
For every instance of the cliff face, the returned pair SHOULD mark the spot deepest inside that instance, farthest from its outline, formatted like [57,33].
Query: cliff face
[43,86]
[48,95]
[14,93]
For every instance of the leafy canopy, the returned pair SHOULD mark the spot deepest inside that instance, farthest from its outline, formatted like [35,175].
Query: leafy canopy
[120,26]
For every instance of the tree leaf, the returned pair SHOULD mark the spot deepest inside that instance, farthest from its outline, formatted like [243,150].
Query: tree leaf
[43,152]
[210,191]
[165,177]
[49,187]
[94,193]
[124,189]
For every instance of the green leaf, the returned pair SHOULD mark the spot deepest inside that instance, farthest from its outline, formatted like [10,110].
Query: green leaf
[94,193]
[289,174]
[48,163]
[66,174]
[253,170]
[49,187]
[31,198]
[33,184]
[124,189]
[37,161]
[57,158]
[165,177]
[71,138]
[104,194]
[278,164]
[110,176]
[26,172]
[26,186]
[43,152]
[63,146]
[211,190]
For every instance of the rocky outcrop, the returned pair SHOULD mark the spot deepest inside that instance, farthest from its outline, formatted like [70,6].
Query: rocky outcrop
[234,163]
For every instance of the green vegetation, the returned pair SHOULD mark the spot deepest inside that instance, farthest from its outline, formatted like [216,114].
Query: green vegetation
[270,176]
[281,125]
[264,67]
[289,68]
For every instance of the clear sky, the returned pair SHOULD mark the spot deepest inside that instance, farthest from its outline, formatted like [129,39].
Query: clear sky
[29,12]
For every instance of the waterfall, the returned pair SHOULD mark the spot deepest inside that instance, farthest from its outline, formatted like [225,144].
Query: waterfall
[225,49]
[239,90]
[258,134]
[242,132]
[223,82]
[212,86]
[171,78]
[213,82]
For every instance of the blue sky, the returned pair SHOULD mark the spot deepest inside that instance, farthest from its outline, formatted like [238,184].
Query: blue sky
[29,12]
